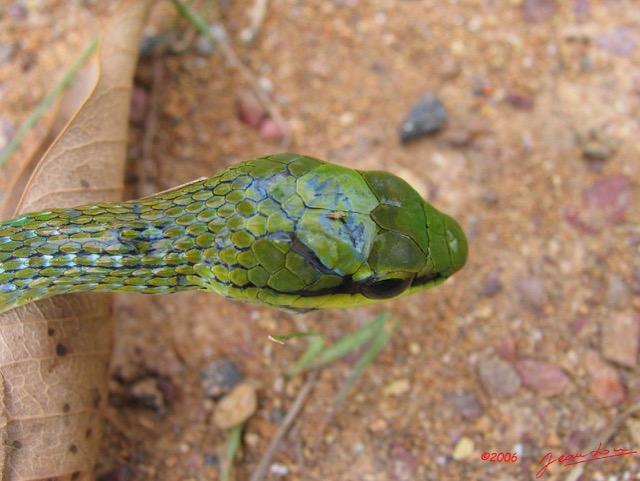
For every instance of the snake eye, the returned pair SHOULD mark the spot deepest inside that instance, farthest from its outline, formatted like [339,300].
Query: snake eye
[385,288]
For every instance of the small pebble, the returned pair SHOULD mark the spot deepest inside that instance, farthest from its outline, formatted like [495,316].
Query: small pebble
[490,197]
[17,10]
[250,110]
[605,384]
[427,117]
[404,463]
[414,348]
[519,100]
[576,441]
[466,403]
[205,45]
[278,385]
[378,425]
[582,9]
[492,284]
[498,378]
[459,137]
[346,119]
[252,439]
[6,52]
[236,407]
[398,387]
[620,41]
[121,473]
[553,439]
[140,103]
[544,378]
[218,378]
[146,392]
[449,68]
[597,144]
[279,469]
[610,195]
[617,291]
[270,130]
[276,415]
[578,324]
[293,386]
[620,338]
[464,448]
[605,201]
[167,388]
[532,292]
[266,84]
[575,220]
[484,311]
[151,45]
[538,10]
[505,347]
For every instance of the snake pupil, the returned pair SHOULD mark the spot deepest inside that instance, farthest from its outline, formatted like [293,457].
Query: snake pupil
[385,288]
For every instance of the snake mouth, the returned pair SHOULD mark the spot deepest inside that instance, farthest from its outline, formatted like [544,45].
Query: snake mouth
[374,288]
[371,288]
[432,278]
[377,287]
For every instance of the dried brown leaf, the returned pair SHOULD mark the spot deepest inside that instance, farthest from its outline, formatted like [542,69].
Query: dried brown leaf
[54,354]
[18,170]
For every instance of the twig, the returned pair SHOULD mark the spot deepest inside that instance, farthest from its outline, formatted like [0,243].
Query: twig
[149,134]
[220,38]
[604,438]
[256,17]
[262,96]
[263,466]
[615,425]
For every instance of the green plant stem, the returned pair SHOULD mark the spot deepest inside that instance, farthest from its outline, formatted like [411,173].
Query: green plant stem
[193,17]
[233,444]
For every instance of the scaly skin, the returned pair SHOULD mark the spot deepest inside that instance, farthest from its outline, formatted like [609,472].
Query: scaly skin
[283,231]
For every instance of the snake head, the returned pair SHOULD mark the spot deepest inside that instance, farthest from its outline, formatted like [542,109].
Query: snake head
[360,237]
[319,235]
[416,246]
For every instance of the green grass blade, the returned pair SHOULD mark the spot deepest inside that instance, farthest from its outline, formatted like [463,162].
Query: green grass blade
[193,17]
[46,102]
[282,338]
[380,340]
[316,344]
[351,342]
[234,439]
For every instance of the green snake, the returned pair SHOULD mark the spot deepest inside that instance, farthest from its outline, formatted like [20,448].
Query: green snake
[286,231]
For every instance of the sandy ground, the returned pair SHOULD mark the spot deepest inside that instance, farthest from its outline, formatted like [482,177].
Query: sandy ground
[531,349]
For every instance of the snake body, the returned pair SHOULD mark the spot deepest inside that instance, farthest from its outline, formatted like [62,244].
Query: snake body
[285,231]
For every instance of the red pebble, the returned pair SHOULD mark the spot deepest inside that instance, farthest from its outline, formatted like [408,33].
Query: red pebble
[250,110]
[270,130]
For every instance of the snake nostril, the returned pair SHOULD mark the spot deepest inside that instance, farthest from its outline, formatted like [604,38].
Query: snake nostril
[457,244]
